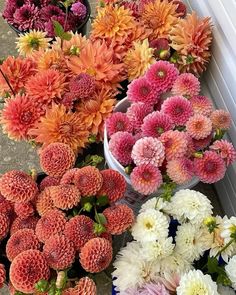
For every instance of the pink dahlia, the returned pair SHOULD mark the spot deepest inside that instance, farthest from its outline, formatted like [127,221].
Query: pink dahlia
[178,109]
[175,143]
[79,9]
[140,90]
[18,116]
[83,85]
[148,150]
[202,105]
[49,11]
[199,126]
[146,179]
[25,17]
[162,75]
[200,144]
[136,113]
[225,149]
[210,168]
[118,122]
[180,170]
[120,145]
[155,124]
[186,85]
[149,288]
[221,119]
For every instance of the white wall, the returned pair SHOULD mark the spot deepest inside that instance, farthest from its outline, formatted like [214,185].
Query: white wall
[220,78]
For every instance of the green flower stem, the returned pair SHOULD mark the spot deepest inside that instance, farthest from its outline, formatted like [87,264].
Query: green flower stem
[224,248]
[7,81]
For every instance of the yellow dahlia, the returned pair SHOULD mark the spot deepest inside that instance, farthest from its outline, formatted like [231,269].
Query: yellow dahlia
[95,111]
[138,59]
[29,42]
[192,38]
[58,125]
[159,16]
[113,22]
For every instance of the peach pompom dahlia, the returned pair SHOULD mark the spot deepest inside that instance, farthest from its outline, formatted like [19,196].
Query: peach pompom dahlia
[199,127]
[202,105]
[44,201]
[49,181]
[221,119]
[69,176]
[24,210]
[4,226]
[180,170]
[18,224]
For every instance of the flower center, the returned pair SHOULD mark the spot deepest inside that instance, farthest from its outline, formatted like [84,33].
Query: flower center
[66,128]
[161,74]
[210,167]
[198,125]
[144,90]
[26,117]
[120,125]
[159,129]
[178,110]
[197,289]
[148,153]
[146,175]
[148,225]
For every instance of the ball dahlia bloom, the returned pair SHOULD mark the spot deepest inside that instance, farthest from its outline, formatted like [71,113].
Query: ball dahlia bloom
[120,145]
[5,223]
[96,255]
[225,149]
[186,85]
[221,119]
[210,168]
[136,113]
[178,109]
[146,179]
[118,122]
[79,9]
[44,202]
[180,170]
[199,127]
[161,75]
[24,210]
[202,105]
[18,224]
[49,181]
[69,176]
[2,275]
[148,150]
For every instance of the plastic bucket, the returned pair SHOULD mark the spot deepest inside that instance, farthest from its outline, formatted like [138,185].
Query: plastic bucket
[132,198]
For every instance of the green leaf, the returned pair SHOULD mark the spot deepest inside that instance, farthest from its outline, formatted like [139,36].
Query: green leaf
[223,280]
[87,207]
[66,36]
[42,286]
[100,218]
[212,265]
[85,200]
[102,201]
[99,228]
[58,29]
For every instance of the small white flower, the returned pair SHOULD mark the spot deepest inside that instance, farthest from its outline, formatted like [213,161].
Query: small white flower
[175,264]
[150,225]
[190,205]
[154,203]
[196,283]
[158,249]
[229,228]
[230,269]
[192,241]
[222,290]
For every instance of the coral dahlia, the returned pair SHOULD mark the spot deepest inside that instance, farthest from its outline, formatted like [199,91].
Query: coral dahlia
[17,186]
[180,170]
[199,126]
[96,255]
[120,145]
[114,185]
[59,252]
[49,181]
[79,230]
[225,149]
[44,201]
[19,224]
[200,144]
[221,119]
[4,226]
[65,196]
[119,218]
[22,240]
[202,105]
[56,159]
[88,180]
[178,108]
[118,122]
[146,179]
[69,176]
[83,86]
[52,222]
[86,286]
[24,210]
[210,168]
[27,269]
[2,275]
[148,150]
[155,124]
[186,85]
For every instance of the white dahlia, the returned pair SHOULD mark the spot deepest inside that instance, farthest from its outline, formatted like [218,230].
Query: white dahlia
[158,249]
[230,269]
[150,226]
[175,264]
[222,290]
[190,205]
[229,228]
[196,283]
[155,203]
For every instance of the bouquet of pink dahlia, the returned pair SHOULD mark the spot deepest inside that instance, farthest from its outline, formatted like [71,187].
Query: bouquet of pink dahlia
[144,30]
[167,138]
[180,248]
[28,15]
[57,228]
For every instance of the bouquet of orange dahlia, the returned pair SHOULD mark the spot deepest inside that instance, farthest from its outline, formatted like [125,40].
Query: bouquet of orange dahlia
[58,228]
[58,92]
[145,30]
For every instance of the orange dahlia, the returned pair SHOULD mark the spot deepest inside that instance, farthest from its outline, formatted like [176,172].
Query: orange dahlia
[17,70]
[18,116]
[94,112]
[191,38]
[138,59]
[58,125]
[160,16]
[44,202]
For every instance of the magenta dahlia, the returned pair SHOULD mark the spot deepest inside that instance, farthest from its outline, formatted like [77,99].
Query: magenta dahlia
[186,85]
[202,105]
[118,122]
[25,17]
[225,149]
[79,9]
[180,170]
[199,126]
[49,11]
[136,113]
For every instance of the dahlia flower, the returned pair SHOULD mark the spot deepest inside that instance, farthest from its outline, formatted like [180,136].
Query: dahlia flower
[200,144]
[58,125]
[225,149]
[24,209]
[191,37]
[178,109]
[44,201]
[48,181]
[186,85]
[195,282]
[199,127]
[26,17]
[180,170]
[2,275]
[175,144]
[140,90]
[230,271]
[120,145]
[202,105]
[155,124]
[18,71]
[69,176]
[48,11]
[172,265]
[118,122]
[82,86]
[5,223]
[79,9]
[210,168]
[34,40]
[148,150]
[158,249]
[19,224]
[229,227]
[160,17]
[136,114]
[65,196]
[138,59]
[221,119]
[87,286]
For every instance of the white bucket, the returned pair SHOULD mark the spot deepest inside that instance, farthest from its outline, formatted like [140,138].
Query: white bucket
[132,198]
